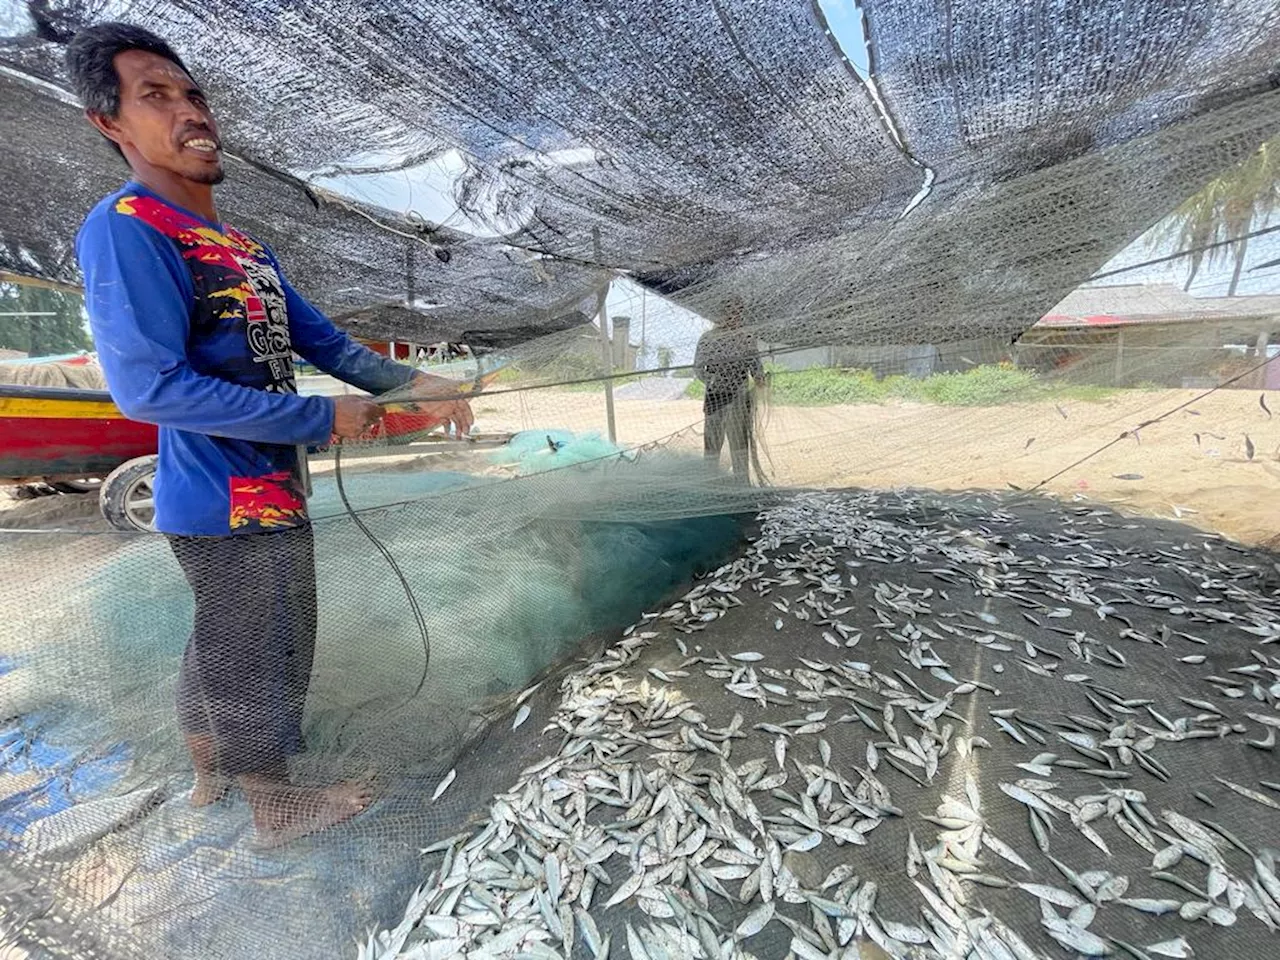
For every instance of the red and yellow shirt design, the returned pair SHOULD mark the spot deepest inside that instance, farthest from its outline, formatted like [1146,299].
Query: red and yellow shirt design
[238,332]
[267,502]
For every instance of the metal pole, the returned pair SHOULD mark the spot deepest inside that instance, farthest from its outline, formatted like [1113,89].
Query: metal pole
[606,348]
[644,296]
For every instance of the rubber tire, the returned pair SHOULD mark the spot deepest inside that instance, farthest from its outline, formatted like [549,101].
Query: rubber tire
[116,489]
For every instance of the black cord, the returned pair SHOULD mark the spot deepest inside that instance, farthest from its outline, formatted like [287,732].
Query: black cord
[418,618]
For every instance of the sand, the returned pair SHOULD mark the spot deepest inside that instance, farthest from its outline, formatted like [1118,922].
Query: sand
[1211,484]
[1164,472]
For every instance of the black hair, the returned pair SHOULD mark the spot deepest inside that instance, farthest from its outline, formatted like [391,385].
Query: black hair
[91,63]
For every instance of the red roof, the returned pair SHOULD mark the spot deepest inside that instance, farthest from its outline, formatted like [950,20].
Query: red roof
[1123,305]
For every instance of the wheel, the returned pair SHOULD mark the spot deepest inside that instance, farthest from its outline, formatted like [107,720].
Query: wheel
[126,497]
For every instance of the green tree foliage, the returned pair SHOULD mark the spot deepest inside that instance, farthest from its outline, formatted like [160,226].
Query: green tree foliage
[24,327]
[1232,204]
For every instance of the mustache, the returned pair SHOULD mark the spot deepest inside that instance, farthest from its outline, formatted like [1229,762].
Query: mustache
[198,130]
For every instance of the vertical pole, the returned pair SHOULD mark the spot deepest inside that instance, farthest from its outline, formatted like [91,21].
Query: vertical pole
[621,343]
[606,348]
[643,297]
[1260,349]
[1119,357]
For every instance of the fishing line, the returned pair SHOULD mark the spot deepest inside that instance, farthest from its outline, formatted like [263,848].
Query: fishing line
[1146,423]
[418,618]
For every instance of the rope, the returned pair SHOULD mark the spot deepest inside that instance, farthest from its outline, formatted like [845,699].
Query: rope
[418,618]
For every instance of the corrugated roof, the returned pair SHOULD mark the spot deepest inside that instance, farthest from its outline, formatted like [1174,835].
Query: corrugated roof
[1121,305]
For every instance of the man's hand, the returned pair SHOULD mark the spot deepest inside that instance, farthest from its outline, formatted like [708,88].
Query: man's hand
[456,412]
[353,416]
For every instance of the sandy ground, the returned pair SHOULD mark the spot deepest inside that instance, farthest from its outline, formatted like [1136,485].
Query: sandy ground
[1165,472]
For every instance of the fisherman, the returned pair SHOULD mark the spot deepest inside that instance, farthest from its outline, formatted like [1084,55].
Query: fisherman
[196,328]
[727,360]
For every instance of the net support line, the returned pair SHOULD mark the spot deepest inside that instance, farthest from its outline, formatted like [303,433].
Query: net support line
[606,349]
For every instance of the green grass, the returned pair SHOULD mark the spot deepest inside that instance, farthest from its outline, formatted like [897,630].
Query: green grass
[984,386]
[508,375]
[1085,392]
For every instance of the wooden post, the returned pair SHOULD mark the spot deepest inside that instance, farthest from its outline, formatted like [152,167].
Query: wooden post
[621,343]
[1260,349]
[20,280]
[606,348]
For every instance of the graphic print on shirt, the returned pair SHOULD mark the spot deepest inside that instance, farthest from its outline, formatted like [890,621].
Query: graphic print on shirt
[267,502]
[267,324]
[238,293]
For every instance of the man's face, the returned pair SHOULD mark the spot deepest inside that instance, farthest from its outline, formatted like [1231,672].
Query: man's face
[164,122]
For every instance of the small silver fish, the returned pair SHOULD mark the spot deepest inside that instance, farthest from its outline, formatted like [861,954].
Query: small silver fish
[1178,948]
[444,784]
[756,920]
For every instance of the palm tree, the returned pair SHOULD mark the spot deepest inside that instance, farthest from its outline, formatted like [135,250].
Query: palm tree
[1227,207]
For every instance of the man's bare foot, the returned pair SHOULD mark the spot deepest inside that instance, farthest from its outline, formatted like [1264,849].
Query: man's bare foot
[209,788]
[283,812]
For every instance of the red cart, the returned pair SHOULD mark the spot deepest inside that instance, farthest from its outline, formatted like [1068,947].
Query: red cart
[77,439]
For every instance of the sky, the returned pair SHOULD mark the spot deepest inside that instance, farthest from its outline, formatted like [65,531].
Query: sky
[15,19]
[665,326]
[845,19]
[1211,280]
[426,190]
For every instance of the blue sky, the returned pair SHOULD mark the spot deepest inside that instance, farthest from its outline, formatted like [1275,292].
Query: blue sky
[1210,281]
[845,20]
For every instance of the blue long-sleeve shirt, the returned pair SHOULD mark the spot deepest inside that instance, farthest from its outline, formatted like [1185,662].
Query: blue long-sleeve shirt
[196,328]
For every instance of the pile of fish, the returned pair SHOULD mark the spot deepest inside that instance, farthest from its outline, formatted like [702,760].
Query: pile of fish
[857,782]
